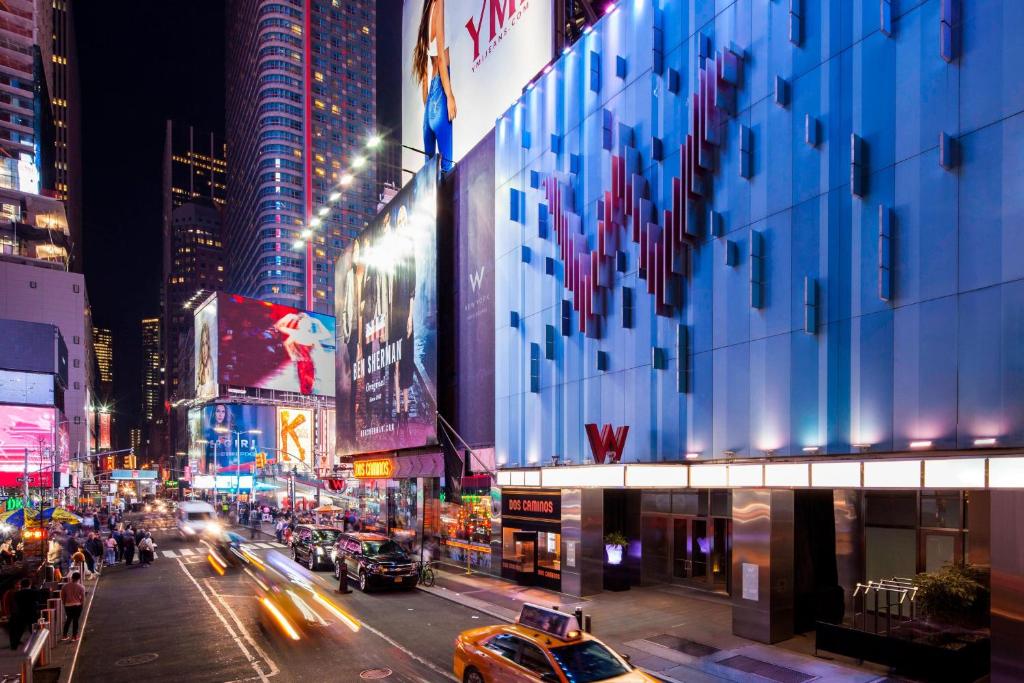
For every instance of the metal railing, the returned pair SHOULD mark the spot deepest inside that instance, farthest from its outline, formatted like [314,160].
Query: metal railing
[887,599]
[37,652]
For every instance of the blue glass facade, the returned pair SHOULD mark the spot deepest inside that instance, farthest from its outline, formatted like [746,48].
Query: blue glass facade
[835,259]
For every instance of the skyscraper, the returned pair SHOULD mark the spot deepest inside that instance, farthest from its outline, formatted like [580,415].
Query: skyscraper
[152,375]
[301,104]
[67,117]
[194,267]
[194,166]
[103,348]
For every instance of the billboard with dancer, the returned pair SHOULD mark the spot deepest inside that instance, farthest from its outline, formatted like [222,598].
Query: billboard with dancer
[269,346]
[386,307]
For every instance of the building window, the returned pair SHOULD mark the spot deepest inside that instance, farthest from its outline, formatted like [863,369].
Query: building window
[76,288]
[77,363]
[32,284]
[76,340]
[78,419]
[78,386]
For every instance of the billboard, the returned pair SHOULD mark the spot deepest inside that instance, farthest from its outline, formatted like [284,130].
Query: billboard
[386,307]
[270,346]
[295,436]
[26,387]
[474,294]
[493,48]
[205,353]
[34,429]
[232,434]
[196,449]
[104,420]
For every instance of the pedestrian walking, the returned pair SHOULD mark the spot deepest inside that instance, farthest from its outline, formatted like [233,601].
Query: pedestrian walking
[24,612]
[118,544]
[78,562]
[72,596]
[129,548]
[110,556]
[147,550]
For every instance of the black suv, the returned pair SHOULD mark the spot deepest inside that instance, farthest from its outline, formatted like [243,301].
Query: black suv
[313,545]
[374,560]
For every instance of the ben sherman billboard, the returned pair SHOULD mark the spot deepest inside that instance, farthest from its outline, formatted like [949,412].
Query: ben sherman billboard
[494,48]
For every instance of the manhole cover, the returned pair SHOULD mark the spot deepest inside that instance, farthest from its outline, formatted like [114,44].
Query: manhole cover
[375,674]
[135,660]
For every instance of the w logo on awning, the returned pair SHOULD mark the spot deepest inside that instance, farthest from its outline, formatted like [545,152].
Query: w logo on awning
[605,443]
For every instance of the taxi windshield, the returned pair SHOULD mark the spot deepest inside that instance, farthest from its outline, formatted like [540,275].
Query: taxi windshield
[588,661]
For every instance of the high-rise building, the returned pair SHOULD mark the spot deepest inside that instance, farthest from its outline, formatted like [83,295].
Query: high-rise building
[194,167]
[103,348]
[67,122]
[135,438]
[152,370]
[194,267]
[300,106]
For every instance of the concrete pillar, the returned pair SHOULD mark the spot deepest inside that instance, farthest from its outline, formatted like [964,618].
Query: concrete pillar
[762,564]
[1007,611]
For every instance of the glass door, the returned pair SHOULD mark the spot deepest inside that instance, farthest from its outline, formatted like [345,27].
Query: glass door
[691,549]
[526,553]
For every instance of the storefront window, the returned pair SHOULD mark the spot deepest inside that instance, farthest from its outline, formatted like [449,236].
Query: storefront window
[403,525]
[466,531]
[548,553]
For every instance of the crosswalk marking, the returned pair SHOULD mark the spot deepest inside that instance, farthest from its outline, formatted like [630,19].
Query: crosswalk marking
[185,552]
[168,553]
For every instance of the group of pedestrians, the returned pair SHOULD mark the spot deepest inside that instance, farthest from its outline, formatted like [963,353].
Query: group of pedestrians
[125,540]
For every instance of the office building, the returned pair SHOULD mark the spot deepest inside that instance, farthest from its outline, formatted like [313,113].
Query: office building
[152,370]
[301,104]
[103,349]
[67,115]
[195,166]
[39,291]
[194,266]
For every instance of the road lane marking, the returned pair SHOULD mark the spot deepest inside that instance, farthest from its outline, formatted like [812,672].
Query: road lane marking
[234,616]
[227,627]
[81,632]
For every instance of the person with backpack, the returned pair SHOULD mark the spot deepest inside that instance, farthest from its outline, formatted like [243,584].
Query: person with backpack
[129,547]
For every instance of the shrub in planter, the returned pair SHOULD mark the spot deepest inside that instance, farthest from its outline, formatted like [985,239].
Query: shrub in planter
[614,543]
[953,595]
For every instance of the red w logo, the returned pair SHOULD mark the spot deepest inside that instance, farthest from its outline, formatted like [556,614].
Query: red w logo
[605,442]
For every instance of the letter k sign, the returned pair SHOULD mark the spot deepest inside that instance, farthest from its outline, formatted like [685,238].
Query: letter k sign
[605,442]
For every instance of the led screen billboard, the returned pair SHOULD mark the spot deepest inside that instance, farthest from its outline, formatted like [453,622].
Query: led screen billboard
[386,307]
[492,47]
[295,437]
[232,434]
[196,449]
[205,353]
[270,346]
[325,443]
[33,429]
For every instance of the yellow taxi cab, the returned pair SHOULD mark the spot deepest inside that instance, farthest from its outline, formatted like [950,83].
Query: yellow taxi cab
[543,645]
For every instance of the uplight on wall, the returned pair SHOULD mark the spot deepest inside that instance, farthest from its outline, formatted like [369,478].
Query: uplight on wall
[692,456]
[955,473]
[985,441]
[892,474]
[920,444]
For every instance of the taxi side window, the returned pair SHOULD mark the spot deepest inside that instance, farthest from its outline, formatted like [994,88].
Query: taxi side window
[532,659]
[505,645]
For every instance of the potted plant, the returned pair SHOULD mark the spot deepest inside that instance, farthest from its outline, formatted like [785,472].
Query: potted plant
[614,543]
[616,574]
[953,595]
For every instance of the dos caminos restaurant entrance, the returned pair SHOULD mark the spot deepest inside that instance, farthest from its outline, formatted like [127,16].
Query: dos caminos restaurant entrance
[531,537]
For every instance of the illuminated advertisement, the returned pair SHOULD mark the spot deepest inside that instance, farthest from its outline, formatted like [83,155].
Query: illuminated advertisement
[269,346]
[386,308]
[295,436]
[325,442]
[490,48]
[232,434]
[33,429]
[206,349]
[104,420]
[196,449]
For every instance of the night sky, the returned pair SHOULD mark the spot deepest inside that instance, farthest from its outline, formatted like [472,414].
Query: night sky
[140,64]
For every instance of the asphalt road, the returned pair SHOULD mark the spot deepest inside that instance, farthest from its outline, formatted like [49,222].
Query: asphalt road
[177,620]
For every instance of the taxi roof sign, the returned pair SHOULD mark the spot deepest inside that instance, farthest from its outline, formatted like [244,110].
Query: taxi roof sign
[550,621]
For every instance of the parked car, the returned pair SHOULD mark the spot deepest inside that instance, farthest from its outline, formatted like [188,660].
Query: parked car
[313,545]
[374,560]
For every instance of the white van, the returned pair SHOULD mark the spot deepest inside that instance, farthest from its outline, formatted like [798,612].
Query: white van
[195,518]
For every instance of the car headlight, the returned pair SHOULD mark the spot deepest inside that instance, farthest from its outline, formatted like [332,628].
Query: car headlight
[319,550]
[189,530]
[376,568]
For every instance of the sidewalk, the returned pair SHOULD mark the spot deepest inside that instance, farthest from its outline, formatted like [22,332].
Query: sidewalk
[671,632]
[61,655]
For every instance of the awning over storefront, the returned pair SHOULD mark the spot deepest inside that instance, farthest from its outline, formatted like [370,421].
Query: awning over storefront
[400,466]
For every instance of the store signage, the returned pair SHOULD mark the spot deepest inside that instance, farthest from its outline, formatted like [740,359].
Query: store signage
[14,504]
[133,474]
[379,468]
[606,445]
[532,505]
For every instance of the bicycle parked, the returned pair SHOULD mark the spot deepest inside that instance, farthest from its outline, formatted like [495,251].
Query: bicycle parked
[426,572]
